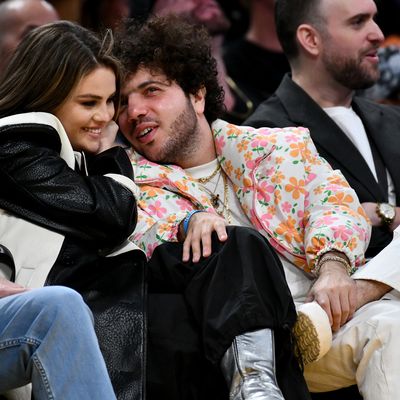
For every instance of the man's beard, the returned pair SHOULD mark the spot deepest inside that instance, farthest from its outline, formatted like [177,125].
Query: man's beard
[183,140]
[350,72]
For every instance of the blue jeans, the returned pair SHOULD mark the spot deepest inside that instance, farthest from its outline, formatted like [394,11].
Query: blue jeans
[47,338]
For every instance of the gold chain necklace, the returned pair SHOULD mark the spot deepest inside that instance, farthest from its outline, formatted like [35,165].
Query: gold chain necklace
[209,177]
[214,197]
[226,212]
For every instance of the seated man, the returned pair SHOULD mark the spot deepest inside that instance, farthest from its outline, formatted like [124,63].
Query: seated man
[332,47]
[269,180]
[47,338]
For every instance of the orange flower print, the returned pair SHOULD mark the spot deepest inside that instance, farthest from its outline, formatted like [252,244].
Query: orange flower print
[152,191]
[247,182]
[233,130]
[248,156]
[271,210]
[352,243]
[278,197]
[300,149]
[318,190]
[182,186]
[295,186]
[288,230]
[242,146]
[341,199]
[228,167]
[317,244]
[238,173]
[171,218]
[164,228]
[296,149]
[277,178]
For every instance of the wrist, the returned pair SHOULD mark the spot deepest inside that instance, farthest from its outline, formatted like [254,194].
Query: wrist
[386,213]
[334,260]
[186,221]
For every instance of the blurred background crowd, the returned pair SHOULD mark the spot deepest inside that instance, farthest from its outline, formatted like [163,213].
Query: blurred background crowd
[243,33]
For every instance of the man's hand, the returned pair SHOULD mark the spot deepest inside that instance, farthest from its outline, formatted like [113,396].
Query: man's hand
[370,210]
[8,288]
[198,236]
[335,292]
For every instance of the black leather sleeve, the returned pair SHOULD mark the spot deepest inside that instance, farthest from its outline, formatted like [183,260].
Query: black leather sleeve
[38,185]
[114,160]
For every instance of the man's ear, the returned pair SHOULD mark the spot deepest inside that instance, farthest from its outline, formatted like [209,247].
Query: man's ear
[199,100]
[309,39]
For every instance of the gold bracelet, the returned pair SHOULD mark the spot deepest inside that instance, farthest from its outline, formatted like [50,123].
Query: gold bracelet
[325,259]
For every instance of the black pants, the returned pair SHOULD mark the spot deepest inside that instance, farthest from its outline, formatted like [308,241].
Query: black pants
[241,287]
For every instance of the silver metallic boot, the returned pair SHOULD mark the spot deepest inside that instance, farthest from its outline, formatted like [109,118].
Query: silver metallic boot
[249,367]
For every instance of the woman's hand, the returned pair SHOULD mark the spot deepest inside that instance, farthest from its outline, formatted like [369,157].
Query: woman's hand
[108,136]
[7,288]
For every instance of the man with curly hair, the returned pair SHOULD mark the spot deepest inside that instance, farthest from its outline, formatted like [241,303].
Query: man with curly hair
[199,175]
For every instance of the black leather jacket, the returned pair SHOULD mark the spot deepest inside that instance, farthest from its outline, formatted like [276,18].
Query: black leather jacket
[37,184]
[94,213]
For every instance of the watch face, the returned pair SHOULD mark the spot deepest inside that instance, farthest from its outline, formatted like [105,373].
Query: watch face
[387,210]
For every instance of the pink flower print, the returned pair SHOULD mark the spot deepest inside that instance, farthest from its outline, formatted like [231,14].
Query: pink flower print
[264,189]
[342,232]
[286,207]
[251,164]
[362,235]
[184,204]
[291,138]
[219,144]
[157,209]
[150,249]
[311,177]
[266,218]
[325,220]
[259,142]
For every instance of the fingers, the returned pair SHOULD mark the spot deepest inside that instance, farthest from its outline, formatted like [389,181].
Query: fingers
[338,300]
[198,241]
[8,288]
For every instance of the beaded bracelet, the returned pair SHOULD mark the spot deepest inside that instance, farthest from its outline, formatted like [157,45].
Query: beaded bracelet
[187,219]
[340,260]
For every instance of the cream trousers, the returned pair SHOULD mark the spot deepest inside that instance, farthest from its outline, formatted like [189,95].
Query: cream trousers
[366,350]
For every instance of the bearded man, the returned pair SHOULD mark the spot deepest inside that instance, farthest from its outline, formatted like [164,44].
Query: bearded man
[332,49]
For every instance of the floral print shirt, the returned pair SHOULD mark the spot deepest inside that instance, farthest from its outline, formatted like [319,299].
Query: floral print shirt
[290,194]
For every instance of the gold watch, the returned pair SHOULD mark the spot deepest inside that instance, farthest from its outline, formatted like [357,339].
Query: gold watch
[386,212]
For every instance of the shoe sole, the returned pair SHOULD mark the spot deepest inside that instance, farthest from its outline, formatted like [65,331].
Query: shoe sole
[312,344]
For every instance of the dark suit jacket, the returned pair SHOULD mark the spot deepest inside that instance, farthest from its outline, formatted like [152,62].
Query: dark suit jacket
[292,106]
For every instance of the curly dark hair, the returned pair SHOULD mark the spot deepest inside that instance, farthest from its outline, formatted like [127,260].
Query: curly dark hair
[179,50]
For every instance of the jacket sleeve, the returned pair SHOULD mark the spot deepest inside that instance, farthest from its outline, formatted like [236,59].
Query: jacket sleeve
[160,213]
[39,186]
[333,216]
[292,195]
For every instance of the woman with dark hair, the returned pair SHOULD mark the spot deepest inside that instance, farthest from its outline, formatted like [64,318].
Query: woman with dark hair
[68,198]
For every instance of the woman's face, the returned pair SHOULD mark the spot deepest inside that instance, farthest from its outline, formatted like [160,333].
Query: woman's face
[88,109]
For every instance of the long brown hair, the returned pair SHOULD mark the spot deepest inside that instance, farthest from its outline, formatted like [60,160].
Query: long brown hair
[49,62]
